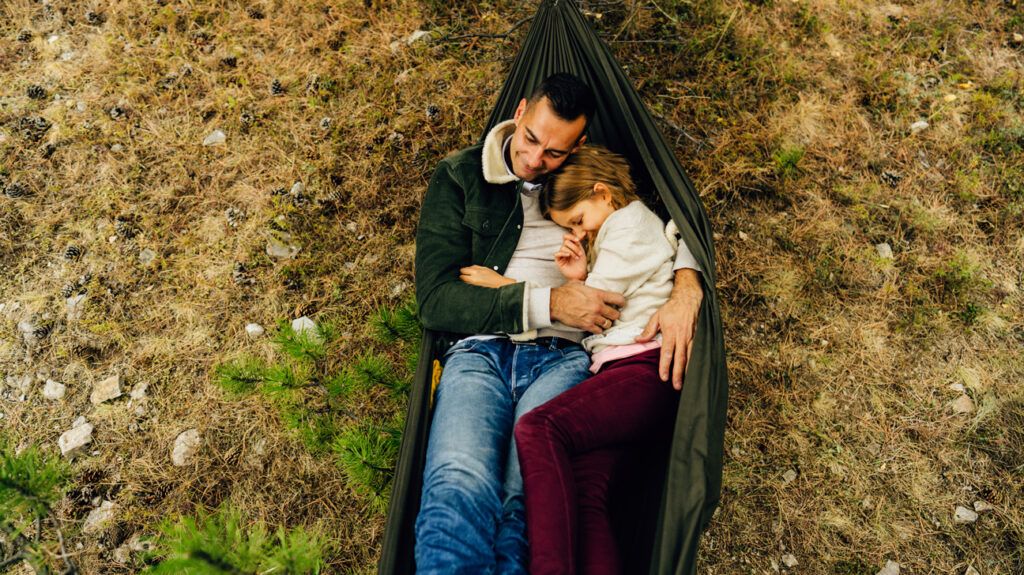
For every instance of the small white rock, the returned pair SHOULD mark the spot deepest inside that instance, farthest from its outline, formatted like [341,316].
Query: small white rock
[918,126]
[20,383]
[146,256]
[352,227]
[99,518]
[963,515]
[971,570]
[884,251]
[185,447]
[254,330]
[75,305]
[53,39]
[139,391]
[80,420]
[958,387]
[744,236]
[215,138]
[279,246]
[789,476]
[891,568]
[789,560]
[106,390]
[304,325]
[74,439]
[418,36]
[53,390]
[117,148]
[963,404]
[81,106]
[983,506]
[297,188]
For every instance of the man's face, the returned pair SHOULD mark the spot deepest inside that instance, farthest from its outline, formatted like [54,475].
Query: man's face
[542,140]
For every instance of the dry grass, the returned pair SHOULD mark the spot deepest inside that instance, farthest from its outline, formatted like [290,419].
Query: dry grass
[797,117]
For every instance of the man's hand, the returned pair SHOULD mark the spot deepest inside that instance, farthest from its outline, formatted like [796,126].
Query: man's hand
[584,307]
[677,321]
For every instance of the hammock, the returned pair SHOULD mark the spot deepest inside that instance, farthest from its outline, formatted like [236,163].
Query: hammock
[661,512]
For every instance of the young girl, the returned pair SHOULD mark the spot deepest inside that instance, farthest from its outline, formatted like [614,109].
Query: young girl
[568,448]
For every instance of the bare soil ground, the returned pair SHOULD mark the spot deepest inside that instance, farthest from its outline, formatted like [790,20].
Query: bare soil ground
[872,392]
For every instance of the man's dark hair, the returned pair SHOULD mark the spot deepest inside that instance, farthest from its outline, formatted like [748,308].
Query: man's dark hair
[570,98]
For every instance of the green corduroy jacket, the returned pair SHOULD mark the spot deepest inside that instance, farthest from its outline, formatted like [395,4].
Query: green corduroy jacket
[465,220]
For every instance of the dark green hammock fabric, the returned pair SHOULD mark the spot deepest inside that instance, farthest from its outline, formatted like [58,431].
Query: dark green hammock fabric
[665,504]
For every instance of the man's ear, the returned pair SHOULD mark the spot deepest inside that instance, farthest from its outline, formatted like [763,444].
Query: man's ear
[579,144]
[520,110]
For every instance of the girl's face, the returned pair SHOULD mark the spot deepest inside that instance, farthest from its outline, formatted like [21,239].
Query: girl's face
[586,217]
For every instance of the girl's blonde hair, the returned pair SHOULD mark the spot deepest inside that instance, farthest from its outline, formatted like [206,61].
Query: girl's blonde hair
[574,181]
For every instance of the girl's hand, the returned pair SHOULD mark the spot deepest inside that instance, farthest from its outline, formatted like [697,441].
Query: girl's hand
[484,277]
[571,259]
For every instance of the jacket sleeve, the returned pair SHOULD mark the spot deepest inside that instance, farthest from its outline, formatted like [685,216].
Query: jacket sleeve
[630,254]
[443,246]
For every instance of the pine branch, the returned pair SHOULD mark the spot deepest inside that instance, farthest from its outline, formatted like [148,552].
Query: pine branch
[307,345]
[29,481]
[218,544]
[372,369]
[400,324]
[367,455]
[241,376]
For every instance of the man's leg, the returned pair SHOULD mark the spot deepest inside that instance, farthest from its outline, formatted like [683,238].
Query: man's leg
[466,454]
[542,373]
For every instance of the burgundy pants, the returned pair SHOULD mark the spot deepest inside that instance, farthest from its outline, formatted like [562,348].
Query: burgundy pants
[568,450]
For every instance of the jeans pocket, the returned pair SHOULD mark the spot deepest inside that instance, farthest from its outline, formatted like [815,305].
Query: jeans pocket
[461,346]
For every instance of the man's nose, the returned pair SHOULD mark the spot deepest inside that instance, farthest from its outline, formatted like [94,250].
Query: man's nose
[535,157]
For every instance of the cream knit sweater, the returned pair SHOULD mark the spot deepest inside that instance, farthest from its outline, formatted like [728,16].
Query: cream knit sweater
[633,255]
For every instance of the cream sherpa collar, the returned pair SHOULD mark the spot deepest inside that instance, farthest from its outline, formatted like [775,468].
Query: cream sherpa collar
[495,171]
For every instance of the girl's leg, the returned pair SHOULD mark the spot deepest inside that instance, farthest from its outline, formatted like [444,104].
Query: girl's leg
[624,403]
[594,471]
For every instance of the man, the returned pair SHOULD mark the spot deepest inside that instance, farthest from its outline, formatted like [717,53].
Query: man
[481,210]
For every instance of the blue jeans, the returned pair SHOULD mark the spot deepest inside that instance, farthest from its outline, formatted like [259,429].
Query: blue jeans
[471,514]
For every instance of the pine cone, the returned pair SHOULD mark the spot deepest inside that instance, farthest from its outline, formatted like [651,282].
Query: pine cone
[234,216]
[433,112]
[117,112]
[33,128]
[240,275]
[95,18]
[68,290]
[73,252]
[36,92]
[248,119]
[255,13]
[276,88]
[42,331]
[125,227]
[15,190]
[229,61]
[325,124]
[24,36]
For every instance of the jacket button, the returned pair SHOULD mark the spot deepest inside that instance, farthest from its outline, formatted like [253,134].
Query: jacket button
[486,225]
[495,268]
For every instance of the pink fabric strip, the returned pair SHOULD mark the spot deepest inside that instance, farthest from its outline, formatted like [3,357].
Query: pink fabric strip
[618,352]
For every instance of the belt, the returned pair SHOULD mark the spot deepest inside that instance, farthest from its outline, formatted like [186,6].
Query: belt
[553,342]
